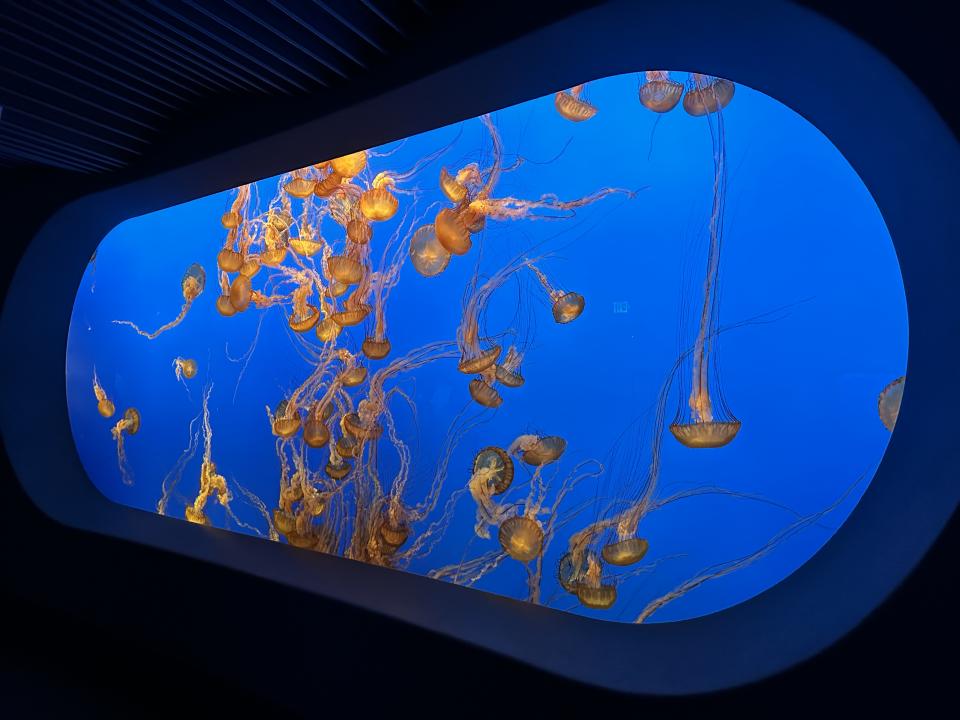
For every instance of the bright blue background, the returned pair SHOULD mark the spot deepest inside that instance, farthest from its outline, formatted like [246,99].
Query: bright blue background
[800,226]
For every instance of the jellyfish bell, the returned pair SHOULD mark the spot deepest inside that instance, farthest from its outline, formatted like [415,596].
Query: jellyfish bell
[240,293]
[360,428]
[713,434]
[888,404]
[304,322]
[625,552]
[284,522]
[194,280]
[521,537]
[187,367]
[452,233]
[350,165]
[477,364]
[499,467]
[197,517]
[305,246]
[353,376]
[316,434]
[273,257]
[348,317]
[568,307]
[359,231]
[378,204]
[508,378]
[337,470]
[572,107]
[572,569]
[393,532]
[484,394]
[106,408]
[539,451]
[428,255]
[597,598]
[327,185]
[286,420]
[348,446]
[451,187]
[375,349]
[300,187]
[229,260]
[328,330]
[230,220]
[472,217]
[345,269]
[658,92]
[707,95]
[250,267]
[131,421]
[336,288]
[225,307]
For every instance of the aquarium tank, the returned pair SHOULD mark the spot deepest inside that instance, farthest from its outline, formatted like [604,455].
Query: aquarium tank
[633,350]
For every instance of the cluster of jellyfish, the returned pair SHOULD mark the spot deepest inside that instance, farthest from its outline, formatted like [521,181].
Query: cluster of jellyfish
[333,427]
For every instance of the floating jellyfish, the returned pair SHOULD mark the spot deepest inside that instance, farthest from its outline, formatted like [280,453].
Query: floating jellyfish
[354,312]
[185,368]
[572,568]
[306,243]
[535,450]
[304,316]
[378,203]
[285,422]
[707,94]
[229,260]
[351,377]
[428,255]
[328,330]
[316,434]
[345,269]
[658,92]
[129,424]
[337,469]
[212,483]
[888,403]
[571,105]
[498,466]
[241,292]
[452,232]
[191,285]
[521,538]
[591,591]
[507,371]
[300,186]
[328,184]
[706,421]
[567,306]
[451,187]
[105,405]
[349,165]
[484,393]
[376,346]
[625,552]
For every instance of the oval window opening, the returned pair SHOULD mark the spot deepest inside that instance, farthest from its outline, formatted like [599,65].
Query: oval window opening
[633,350]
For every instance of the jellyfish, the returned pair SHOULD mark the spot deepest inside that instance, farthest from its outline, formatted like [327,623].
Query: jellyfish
[452,232]
[376,346]
[428,255]
[105,405]
[212,483]
[567,306]
[572,106]
[707,94]
[308,243]
[521,537]
[285,422]
[300,186]
[888,403]
[378,203]
[350,165]
[185,368]
[316,433]
[129,424]
[492,475]
[507,371]
[191,285]
[328,184]
[658,92]
[537,451]
[706,421]
[304,316]
[228,259]
[452,188]
[241,292]
[591,591]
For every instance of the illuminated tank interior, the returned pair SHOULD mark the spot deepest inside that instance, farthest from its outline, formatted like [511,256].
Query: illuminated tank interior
[633,350]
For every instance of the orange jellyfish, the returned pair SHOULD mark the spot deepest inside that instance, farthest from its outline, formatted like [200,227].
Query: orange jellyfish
[105,405]
[482,391]
[212,483]
[285,422]
[354,311]
[185,368]
[229,260]
[452,232]
[241,292]
[300,186]
[304,316]
[308,243]
[376,346]
[625,552]
[888,404]
[705,421]
[572,106]
[591,591]
[316,434]
[191,285]
[537,451]
[129,424]
[350,165]
[328,184]
[521,537]
[428,255]
[507,371]
[328,330]
[566,306]
[378,203]
[658,92]
[452,188]
[707,94]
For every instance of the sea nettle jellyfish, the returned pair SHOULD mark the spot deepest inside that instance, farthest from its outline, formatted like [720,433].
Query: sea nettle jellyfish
[191,285]
[536,450]
[300,185]
[105,405]
[376,345]
[428,256]
[567,306]
[658,92]
[230,259]
[129,424]
[707,94]
[573,106]
[704,420]
[185,368]
[212,483]
[888,404]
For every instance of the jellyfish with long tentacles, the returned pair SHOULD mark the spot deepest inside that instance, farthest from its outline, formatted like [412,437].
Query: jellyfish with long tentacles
[888,404]
[191,286]
[572,105]
[427,255]
[658,92]
[129,424]
[566,306]
[231,258]
[212,483]
[184,368]
[707,94]
[705,420]
[105,405]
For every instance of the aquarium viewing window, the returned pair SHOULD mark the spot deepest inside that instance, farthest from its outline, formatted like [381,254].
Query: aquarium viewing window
[632,350]
[805,349]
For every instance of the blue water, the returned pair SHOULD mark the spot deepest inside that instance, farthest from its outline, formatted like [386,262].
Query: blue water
[802,233]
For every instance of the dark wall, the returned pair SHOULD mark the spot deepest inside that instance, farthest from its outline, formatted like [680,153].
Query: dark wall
[98,626]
